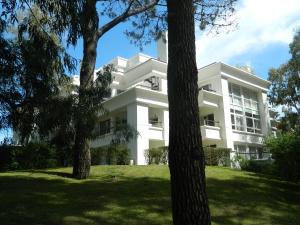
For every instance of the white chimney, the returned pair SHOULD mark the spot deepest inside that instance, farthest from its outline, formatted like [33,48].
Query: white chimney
[162,47]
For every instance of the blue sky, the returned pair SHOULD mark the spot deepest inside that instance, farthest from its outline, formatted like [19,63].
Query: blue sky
[265,28]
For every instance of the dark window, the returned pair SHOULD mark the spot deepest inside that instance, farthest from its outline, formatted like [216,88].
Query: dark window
[104,127]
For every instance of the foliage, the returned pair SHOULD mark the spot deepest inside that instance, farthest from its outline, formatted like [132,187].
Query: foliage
[110,155]
[259,166]
[284,87]
[157,155]
[217,156]
[286,154]
[32,67]
[213,156]
[31,156]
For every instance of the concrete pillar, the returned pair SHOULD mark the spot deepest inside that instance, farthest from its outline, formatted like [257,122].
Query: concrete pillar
[166,127]
[226,125]
[138,117]
[264,113]
[164,86]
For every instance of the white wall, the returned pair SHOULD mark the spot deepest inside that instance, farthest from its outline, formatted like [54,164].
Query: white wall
[137,116]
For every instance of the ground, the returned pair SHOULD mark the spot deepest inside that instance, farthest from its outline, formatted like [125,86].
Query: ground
[140,195]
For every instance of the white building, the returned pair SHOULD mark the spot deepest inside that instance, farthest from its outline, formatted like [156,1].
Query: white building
[233,105]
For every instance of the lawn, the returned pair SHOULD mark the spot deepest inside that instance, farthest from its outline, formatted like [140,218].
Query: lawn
[140,195]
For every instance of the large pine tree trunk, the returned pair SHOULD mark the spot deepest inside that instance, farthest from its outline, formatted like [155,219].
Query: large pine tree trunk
[82,156]
[186,157]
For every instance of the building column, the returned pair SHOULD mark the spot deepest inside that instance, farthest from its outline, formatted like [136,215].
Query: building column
[166,127]
[226,123]
[264,113]
[138,118]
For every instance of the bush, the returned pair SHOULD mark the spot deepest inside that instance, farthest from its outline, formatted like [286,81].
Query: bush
[98,155]
[157,155]
[31,156]
[285,150]
[217,156]
[258,166]
[111,155]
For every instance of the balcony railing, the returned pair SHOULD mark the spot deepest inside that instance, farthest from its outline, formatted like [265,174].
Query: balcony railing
[155,123]
[207,89]
[212,123]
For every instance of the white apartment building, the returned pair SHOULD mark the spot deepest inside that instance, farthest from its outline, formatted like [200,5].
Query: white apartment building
[233,105]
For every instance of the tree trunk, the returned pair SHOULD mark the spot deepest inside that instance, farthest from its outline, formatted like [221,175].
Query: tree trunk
[186,157]
[82,156]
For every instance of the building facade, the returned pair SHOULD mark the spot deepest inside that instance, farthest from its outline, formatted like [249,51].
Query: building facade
[234,111]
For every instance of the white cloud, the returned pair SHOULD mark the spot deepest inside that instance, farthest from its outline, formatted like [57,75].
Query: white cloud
[260,23]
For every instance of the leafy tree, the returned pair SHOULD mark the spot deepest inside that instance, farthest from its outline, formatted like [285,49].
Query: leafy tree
[186,157]
[286,154]
[32,66]
[80,19]
[285,86]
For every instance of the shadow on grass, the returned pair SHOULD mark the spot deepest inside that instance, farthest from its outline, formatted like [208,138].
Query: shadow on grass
[253,200]
[56,173]
[119,199]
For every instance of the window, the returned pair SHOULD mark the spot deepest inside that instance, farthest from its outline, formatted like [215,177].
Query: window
[104,127]
[250,151]
[244,109]
[209,120]
[241,150]
[237,120]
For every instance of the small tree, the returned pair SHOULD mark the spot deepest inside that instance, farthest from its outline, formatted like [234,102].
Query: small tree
[286,154]
[285,86]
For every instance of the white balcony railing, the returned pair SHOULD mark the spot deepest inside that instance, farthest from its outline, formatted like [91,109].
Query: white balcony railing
[210,130]
[208,98]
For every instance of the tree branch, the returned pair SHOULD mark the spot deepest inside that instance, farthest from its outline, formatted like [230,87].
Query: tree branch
[128,13]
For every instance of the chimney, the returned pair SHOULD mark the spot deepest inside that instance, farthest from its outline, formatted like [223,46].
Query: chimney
[162,47]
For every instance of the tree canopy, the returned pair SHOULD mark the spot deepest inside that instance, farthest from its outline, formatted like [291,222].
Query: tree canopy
[285,85]
[33,65]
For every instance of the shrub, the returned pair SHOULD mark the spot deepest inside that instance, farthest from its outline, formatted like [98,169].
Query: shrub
[258,166]
[98,155]
[157,155]
[111,155]
[31,156]
[217,156]
[285,151]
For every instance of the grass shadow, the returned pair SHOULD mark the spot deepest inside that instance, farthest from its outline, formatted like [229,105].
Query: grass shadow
[116,201]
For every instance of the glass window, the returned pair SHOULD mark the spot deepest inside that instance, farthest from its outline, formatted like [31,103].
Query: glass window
[241,150]
[252,152]
[236,90]
[244,109]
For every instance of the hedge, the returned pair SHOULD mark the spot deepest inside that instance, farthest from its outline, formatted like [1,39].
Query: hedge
[111,155]
[31,156]
[217,156]
[213,156]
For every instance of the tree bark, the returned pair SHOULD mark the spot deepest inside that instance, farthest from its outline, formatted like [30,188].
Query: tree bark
[82,156]
[186,157]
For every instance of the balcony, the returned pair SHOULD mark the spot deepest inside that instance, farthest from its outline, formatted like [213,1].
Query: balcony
[210,130]
[156,130]
[208,98]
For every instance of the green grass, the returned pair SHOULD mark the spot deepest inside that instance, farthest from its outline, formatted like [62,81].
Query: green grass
[139,195]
